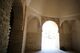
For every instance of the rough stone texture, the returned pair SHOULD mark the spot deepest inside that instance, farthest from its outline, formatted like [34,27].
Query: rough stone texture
[16,36]
[5,8]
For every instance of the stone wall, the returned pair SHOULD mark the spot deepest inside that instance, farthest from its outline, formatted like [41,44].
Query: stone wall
[5,9]
[70,40]
[66,35]
[33,39]
[16,36]
[34,31]
[76,35]
[12,42]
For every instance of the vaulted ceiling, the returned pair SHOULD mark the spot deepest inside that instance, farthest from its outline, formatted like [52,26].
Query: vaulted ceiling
[56,7]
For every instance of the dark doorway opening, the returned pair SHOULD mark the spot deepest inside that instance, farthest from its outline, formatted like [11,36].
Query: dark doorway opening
[11,27]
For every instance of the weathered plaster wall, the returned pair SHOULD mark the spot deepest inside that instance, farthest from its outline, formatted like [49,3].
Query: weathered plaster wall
[66,32]
[33,34]
[66,35]
[76,35]
[74,29]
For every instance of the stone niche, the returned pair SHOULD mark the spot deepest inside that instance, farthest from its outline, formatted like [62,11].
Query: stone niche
[33,37]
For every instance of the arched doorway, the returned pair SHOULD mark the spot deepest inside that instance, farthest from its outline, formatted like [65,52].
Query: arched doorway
[50,36]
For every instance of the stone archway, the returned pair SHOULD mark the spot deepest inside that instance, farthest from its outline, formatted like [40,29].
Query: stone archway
[66,35]
[56,20]
[50,36]
[33,33]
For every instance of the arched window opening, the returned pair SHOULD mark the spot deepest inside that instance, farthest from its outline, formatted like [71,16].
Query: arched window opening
[50,36]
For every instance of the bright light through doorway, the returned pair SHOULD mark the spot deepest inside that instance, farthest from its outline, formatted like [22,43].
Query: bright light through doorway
[50,36]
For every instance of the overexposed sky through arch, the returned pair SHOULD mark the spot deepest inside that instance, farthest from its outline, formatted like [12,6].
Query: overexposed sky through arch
[50,36]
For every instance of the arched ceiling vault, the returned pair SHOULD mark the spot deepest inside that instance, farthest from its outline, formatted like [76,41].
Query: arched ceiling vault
[55,7]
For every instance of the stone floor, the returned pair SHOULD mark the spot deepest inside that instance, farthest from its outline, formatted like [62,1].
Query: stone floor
[55,51]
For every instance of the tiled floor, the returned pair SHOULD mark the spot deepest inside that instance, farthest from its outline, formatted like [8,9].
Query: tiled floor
[56,51]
